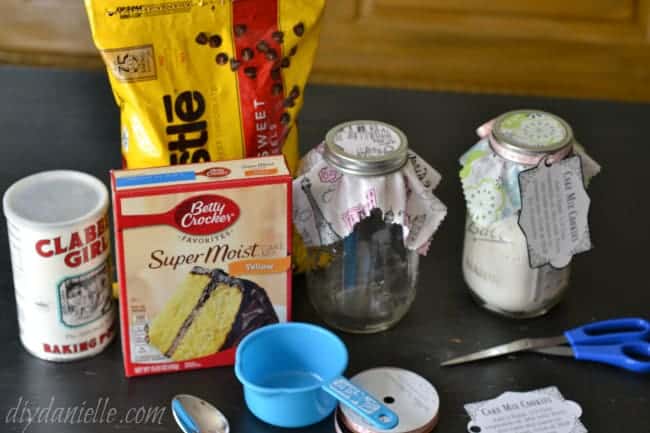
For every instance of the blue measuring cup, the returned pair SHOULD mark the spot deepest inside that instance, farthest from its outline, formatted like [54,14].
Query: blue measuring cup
[291,374]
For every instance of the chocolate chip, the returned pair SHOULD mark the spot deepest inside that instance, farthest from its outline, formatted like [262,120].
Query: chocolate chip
[234,64]
[299,29]
[285,118]
[293,50]
[201,38]
[285,62]
[262,46]
[278,36]
[250,71]
[271,54]
[239,29]
[289,102]
[276,89]
[275,74]
[215,41]
[222,58]
[295,92]
[247,54]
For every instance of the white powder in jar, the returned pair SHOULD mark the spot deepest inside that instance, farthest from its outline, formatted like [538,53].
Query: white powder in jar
[497,270]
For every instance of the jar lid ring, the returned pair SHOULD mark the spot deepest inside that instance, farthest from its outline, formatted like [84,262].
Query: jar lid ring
[376,158]
[554,140]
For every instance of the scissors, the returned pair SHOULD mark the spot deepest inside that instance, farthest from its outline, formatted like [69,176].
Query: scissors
[623,342]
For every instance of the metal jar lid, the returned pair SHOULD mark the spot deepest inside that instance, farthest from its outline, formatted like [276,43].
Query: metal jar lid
[522,135]
[413,398]
[366,148]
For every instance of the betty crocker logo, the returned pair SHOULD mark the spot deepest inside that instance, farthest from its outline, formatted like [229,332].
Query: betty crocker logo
[205,214]
[214,172]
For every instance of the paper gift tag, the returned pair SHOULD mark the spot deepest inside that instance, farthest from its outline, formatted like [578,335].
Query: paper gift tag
[554,210]
[543,410]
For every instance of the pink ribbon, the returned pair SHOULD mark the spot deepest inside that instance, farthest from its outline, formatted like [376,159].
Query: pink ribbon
[485,130]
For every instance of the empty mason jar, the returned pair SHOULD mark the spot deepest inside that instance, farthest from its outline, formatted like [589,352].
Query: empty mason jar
[369,280]
[366,211]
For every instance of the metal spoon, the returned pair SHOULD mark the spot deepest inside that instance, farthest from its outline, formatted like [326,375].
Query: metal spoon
[194,415]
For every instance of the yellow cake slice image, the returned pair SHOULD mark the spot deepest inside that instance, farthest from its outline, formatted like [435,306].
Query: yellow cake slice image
[209,312]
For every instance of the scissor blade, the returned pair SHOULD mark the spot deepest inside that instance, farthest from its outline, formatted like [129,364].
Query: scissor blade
[555,351]
[504,349]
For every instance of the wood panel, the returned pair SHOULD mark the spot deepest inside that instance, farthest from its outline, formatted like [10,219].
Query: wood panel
[46,32]
[587,9]
[600,50]
[583,48]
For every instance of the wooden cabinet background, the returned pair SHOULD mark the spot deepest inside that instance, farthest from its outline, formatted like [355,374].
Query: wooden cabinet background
[582,48]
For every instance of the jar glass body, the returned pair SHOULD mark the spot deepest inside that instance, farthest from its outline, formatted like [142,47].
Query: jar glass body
[365,282]
[497,270]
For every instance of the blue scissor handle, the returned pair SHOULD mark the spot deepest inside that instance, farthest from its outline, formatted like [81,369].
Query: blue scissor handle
[608,332]
[633,356]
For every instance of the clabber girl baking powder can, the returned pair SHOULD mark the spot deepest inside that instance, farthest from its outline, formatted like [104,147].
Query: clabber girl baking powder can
[60,255]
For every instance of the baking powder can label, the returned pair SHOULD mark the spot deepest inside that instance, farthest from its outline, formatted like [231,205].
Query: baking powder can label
[60,253]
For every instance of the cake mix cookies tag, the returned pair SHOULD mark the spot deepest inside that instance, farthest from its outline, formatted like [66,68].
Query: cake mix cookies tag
[203,256]
[554,211]
[542,410]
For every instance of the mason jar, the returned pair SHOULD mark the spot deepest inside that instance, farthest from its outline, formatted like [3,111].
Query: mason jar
[498,274]
[495,259]
[369,280]
[367,223]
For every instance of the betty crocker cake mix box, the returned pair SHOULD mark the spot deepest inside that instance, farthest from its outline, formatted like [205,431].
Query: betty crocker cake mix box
[204,258]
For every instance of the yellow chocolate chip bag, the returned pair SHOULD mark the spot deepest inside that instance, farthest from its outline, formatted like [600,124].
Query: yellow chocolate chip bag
[206,80]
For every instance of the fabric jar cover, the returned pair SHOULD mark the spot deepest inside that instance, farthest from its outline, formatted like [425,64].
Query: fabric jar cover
[328,201]
[491,182]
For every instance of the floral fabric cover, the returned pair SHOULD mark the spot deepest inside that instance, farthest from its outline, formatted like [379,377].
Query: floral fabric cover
[491,183]
[327,203]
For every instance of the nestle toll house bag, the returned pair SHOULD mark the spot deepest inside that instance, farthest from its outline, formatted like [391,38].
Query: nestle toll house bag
[206,80]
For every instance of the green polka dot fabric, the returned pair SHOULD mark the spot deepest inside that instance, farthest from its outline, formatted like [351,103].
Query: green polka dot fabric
[491,183]
[486,199]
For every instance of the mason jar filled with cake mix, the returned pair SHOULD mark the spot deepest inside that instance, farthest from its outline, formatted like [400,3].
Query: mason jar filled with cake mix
[365,209]
[500,263]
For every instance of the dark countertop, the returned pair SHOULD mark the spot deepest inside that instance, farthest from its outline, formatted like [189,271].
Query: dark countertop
[52,119]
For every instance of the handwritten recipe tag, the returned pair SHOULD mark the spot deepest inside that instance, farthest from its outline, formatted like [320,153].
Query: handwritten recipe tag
[554,209]
[540,411]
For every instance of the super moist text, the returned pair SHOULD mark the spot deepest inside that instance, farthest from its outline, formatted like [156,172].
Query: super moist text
[213,254]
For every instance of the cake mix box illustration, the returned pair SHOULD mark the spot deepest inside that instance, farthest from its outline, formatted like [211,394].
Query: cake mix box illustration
[204,258]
